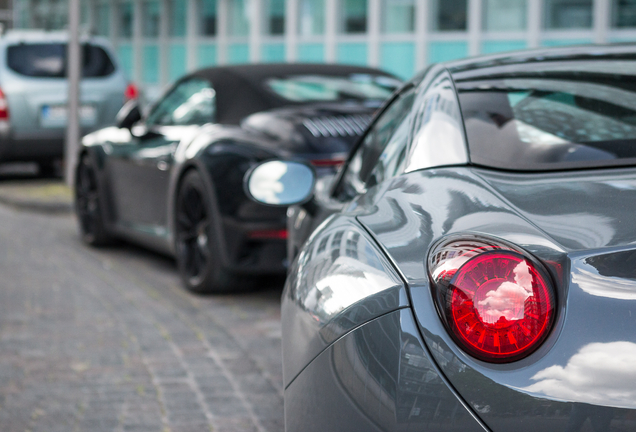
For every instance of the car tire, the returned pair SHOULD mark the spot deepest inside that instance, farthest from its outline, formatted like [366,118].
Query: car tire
[196,246]
[88,205]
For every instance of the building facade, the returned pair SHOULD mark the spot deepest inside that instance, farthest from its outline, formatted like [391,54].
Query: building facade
[159,40]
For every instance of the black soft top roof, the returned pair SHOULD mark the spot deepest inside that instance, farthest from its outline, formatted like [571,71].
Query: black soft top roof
[240,90]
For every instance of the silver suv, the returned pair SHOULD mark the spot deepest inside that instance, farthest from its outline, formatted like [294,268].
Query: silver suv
[33,93]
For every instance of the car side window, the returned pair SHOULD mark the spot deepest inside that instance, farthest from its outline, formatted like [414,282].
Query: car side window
[438,132]
[389,128]
[191,102]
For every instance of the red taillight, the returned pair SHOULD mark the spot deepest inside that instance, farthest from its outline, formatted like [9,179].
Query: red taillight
[327,162]
[131,92]
[4,107]
[274,234]
[499,305]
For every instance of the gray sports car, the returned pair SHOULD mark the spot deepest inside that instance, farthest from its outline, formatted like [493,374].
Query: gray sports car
[475,264]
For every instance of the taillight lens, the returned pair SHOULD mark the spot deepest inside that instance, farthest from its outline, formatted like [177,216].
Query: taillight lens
[499,305]
[273,234]
[131,92]
[319,163]
[4,107]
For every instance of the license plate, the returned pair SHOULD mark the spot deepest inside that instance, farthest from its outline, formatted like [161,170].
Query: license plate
[56,115]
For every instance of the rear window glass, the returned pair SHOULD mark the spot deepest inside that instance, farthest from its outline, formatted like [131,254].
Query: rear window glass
[316,88]
[48,60]
[552,121]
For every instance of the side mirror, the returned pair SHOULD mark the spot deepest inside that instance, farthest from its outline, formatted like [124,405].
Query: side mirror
[280,183]
[128,115]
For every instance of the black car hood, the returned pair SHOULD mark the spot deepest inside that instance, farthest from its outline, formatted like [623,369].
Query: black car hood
[317,128]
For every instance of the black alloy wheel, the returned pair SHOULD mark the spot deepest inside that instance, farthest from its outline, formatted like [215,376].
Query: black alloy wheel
[87,205]
[196,246]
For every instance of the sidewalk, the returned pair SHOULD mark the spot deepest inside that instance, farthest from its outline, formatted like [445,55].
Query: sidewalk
[21,188]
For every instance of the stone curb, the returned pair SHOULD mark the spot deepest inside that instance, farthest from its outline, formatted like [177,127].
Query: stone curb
[37,206]
[50,196]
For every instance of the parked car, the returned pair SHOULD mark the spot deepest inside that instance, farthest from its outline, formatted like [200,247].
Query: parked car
[34,92]
[478,273]
[173,180]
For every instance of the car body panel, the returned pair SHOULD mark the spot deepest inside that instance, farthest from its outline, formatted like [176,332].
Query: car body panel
[379,377]
[314,314]
[576,223]
[577,371]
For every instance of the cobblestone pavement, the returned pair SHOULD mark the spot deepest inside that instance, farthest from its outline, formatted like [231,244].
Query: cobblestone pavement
[107,340]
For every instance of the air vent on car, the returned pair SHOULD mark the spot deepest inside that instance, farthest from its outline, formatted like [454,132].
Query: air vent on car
[337,126]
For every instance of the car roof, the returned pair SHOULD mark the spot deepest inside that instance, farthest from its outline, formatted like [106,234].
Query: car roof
[599,75]
[44,36]
[520,61]
[240,90]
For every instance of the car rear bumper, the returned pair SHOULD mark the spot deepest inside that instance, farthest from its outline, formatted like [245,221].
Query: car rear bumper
[37,145]
[253,249]
[13,150]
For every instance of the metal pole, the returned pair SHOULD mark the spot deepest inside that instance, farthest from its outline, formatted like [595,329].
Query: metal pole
[73,71]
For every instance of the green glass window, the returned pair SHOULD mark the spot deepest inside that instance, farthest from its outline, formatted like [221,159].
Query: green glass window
[125,24]
[449,15]
[624,13]
[85,12]
[564,14]
[151,13]
[102,19]
[311,17]
[505,15]
[207,12]
[353,16]
[238,24]
[398,16]
[178,17]
[274,17]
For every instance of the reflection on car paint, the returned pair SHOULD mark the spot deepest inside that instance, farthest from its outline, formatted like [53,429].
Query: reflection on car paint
[599,374]
[423,206]
[342,255]
[543,389]
[379,378]
[580,212]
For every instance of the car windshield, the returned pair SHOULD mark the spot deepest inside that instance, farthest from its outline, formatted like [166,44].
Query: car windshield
[581,115]
[48,60]
[317,88]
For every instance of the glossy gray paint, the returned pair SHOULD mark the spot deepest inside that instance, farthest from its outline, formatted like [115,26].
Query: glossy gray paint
[578,224]
[581,230]
[379,377]
[315,312]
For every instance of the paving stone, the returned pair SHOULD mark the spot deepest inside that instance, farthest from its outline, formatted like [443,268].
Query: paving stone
[98,340]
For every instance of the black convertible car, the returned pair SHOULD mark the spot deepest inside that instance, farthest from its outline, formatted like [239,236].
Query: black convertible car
[475,264]
[173,180]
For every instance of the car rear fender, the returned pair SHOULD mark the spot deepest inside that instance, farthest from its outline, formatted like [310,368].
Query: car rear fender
[339,281]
